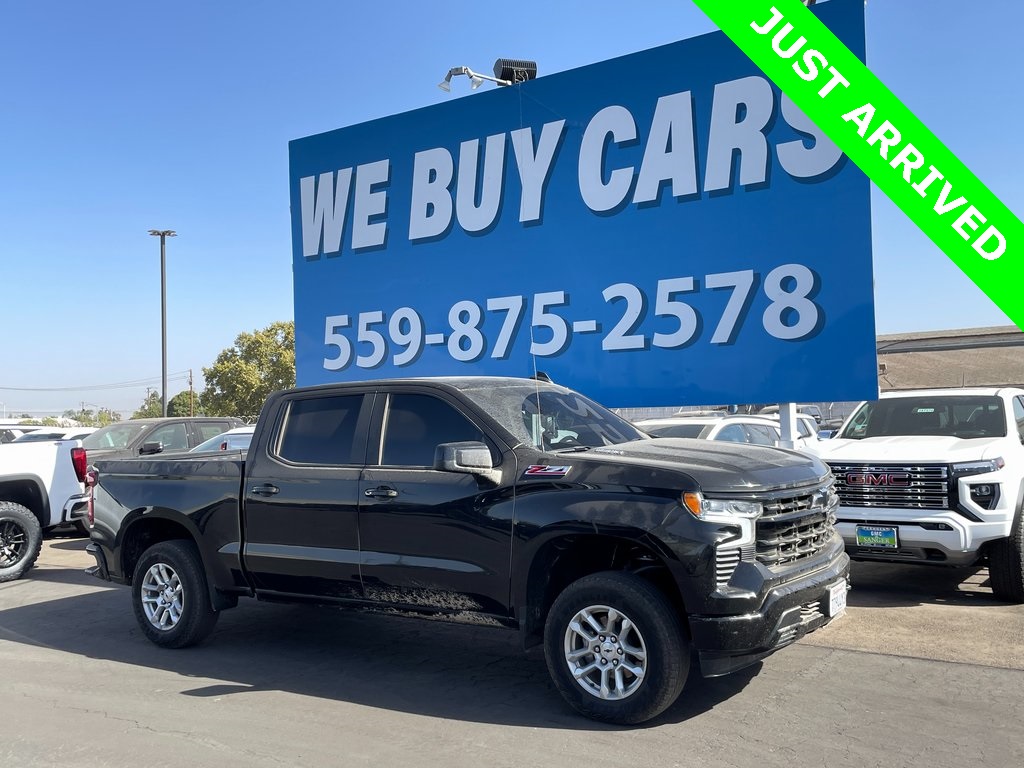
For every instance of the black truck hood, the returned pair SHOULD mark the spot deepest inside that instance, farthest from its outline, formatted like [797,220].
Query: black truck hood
[717,467]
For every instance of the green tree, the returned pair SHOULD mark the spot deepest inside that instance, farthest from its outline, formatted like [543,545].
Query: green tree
[151,407]
[106,416]
[242,376]
[89,418]
[179,405]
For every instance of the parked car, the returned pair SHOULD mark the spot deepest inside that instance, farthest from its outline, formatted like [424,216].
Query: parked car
[145,437]
[807,432]
[488,501]
[738,428]
[811,410]
[233,440]
[55,433]
[936,477]
[8,434]
[727,428]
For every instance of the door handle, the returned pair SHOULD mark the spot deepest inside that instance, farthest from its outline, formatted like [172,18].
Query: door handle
[381,492]
[264,490]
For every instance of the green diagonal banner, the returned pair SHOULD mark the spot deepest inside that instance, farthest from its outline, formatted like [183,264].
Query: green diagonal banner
[895,149]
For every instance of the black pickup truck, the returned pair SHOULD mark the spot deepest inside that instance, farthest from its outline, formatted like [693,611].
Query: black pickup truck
[490,501]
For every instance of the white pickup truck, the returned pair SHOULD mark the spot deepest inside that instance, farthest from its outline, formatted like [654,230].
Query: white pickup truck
[936,477]
[41,484]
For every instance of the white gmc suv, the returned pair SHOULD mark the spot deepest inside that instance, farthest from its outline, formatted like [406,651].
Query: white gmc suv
[935,476]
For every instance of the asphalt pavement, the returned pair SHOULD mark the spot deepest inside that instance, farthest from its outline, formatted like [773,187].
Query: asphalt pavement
[926,669]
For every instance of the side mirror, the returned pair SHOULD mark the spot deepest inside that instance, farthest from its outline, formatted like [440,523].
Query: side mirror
[469,458]
[149,448]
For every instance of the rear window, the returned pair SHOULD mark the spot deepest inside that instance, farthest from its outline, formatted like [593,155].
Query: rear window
[964,416]
[210,429]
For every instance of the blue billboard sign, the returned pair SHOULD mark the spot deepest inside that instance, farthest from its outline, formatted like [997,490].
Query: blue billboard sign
[658,229]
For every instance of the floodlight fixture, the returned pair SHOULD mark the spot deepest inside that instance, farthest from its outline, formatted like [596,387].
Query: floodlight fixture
[515,70]
[506,72]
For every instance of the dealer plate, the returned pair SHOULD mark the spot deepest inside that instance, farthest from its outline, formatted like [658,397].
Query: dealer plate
[837,599]
[879,537]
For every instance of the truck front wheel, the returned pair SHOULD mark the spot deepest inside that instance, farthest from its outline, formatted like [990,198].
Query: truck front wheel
[1006,564]
[615,648]
[21,539]
[170,595]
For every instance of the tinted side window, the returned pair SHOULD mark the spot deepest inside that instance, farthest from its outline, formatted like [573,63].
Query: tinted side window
[1018,415]
[209,429]
[417,424]
[321,430]
[732,434]
[762,435]
[174,437]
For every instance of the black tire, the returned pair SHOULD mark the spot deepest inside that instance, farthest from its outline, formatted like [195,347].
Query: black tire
[21,539]
[80,528]
[1006,564]
[656,626]
[178,573]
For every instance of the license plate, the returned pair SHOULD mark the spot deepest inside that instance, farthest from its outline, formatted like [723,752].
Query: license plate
[877,536]
[836,599]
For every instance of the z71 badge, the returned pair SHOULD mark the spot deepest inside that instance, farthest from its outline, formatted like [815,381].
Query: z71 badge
[545,470]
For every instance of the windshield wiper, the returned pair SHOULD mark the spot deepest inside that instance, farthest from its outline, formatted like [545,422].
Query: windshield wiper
[572,449]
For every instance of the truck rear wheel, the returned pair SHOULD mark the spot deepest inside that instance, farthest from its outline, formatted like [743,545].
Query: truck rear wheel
[170,595]
[1006,564]
[21,540]
[615,648]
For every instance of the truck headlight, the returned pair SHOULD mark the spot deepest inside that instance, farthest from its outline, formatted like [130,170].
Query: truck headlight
[965,468]
[720,509]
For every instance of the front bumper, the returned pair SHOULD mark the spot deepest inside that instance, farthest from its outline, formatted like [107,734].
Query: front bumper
[942,537]
[790,610]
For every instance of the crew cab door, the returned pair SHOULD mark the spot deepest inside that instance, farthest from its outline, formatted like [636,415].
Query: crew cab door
[433,539]
[302,496]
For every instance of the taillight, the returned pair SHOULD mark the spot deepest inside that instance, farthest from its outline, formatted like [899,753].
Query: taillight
[79,462]
[90,510]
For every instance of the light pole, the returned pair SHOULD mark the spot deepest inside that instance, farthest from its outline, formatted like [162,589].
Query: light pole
[163,234]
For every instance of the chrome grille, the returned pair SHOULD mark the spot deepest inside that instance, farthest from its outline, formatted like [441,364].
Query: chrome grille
[906,486]
[794,528]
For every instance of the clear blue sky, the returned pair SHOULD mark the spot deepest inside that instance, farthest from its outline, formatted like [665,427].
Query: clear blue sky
[120,117]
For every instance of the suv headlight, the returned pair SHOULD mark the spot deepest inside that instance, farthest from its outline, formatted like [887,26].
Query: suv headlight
[720,509]
[965,468]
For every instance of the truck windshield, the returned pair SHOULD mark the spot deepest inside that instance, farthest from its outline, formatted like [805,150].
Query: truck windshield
[963,416]
[553,418]
[116,436]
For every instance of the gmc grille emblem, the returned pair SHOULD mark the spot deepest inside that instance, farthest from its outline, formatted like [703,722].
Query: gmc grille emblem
[891,479]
